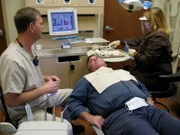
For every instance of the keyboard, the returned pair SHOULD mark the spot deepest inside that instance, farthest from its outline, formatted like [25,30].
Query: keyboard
[64,37]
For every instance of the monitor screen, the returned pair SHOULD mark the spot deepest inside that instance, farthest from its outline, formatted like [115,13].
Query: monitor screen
[62,21]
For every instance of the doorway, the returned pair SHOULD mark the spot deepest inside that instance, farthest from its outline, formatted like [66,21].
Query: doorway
[122,24]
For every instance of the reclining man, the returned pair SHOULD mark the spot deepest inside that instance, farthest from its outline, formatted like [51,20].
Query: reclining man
[119,104]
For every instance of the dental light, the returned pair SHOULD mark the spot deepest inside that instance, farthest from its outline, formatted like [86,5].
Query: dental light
[135,5]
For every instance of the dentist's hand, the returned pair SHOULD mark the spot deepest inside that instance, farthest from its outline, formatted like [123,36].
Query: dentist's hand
[53,78]
[132,52]
[51,87]
[114,44]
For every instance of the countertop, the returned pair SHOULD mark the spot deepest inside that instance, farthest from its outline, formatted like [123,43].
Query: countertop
[59,52]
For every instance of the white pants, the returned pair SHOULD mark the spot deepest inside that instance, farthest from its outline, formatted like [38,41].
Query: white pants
[60,99]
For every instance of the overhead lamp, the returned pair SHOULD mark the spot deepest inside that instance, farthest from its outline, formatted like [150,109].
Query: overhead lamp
[135,5]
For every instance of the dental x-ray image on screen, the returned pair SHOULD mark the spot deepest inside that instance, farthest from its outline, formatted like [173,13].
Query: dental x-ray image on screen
[62,21]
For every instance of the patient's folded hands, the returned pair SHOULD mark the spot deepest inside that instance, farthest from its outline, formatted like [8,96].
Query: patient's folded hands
[132,52]
[114,44]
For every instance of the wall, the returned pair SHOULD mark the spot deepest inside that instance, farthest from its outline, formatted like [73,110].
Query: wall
[172,13]
[174,4]
[10,7]
[158,3]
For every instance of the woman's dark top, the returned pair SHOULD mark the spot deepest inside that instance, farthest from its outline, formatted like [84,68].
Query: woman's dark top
[153,58]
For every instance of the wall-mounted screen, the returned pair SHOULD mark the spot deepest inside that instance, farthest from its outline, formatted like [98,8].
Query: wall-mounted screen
[63,21]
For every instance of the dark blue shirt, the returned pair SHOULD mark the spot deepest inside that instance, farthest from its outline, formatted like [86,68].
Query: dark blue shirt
[111,99]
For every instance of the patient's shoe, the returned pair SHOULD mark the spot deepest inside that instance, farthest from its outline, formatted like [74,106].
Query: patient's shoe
[77,129]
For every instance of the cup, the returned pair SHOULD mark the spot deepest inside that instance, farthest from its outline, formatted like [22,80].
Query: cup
[38,47]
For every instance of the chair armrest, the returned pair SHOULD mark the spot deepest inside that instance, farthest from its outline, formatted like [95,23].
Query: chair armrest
[97,130]
[171,77]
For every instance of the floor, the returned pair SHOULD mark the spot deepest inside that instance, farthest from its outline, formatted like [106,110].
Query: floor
[172,105]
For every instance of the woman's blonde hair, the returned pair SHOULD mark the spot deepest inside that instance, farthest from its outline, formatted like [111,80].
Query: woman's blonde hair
[157,20]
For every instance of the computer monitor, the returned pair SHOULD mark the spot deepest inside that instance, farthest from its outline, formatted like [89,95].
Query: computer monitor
[63,21]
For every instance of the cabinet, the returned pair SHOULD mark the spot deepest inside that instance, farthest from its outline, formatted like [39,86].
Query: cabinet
[90,13]
[82,6]
[69,78]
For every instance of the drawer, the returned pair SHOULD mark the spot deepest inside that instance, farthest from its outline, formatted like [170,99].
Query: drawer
[66,3]
[39,3]
[91,2]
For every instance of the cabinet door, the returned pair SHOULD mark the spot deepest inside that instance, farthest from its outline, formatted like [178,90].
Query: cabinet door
[39,3]
[79,71]
[64,73]
[87,23]
[68,77]
[91,2]
[68,3]
[50,66]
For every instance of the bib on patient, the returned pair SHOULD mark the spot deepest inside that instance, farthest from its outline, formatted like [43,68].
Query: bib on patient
[105,77]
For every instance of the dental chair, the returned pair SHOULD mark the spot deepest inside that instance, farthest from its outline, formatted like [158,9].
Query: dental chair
[97,130]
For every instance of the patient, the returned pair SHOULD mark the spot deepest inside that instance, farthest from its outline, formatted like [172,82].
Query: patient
[119,104]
